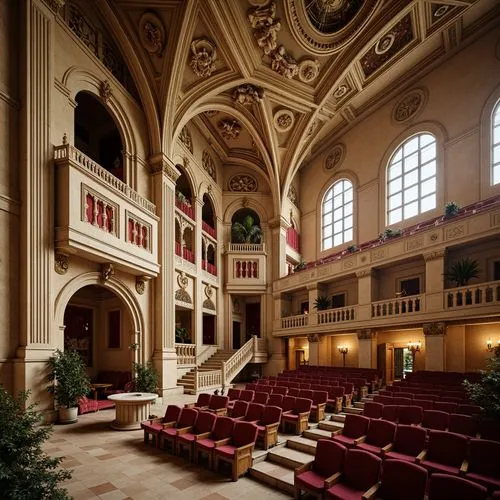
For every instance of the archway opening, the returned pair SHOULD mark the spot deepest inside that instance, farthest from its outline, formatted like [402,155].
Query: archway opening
[208,216]
[245,227]
[97,135]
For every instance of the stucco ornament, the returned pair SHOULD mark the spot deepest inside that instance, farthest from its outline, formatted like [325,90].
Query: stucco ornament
[152,33]
[409,106]
[140,284]
[248,94]
[243,184]
[335,158]
[61,263]
[107,271]
[308,70]
[283,120]
[284,63]
[203,57]
[230,129]
[209,165]
[186,139]
[292,195]
[266,27]
[105,90]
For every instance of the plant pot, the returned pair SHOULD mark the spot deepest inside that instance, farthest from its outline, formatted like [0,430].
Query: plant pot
[68,415]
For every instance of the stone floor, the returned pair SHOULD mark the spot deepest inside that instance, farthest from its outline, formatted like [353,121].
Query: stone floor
[116,465]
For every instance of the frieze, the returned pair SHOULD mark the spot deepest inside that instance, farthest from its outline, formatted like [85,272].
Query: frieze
[380,253]
[454,232]
[434,329]
[414,244]
[349,263]
[243,183]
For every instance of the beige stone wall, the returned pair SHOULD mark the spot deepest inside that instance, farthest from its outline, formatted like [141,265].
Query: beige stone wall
[400,338]
[476,337]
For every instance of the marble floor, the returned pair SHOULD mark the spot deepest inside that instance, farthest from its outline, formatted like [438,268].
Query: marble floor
[115,465]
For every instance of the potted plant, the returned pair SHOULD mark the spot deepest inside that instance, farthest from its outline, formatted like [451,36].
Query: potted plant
[246,232]
[451,209]
[181,335]
[322,303]
[146,377]
[463,270]
[301,265]
[389,233]
[351,248]
[68,383]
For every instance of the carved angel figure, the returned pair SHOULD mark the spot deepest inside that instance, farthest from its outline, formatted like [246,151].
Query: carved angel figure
[262,15]
[203,57]
[283,63]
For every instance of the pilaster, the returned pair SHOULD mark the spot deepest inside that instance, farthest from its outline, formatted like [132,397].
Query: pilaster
[314,346]
[367,292]
[367,348]
[435,346]
[278,227]
[198,284]
[434,281]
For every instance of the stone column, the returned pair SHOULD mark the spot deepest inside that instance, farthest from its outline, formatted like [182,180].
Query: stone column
[367,348]
[313,295]
[38,336]
[278,227]
[434,281]
[435,346]
[164,178]
[314,345]
[367,292]
[224,309]
[198,285]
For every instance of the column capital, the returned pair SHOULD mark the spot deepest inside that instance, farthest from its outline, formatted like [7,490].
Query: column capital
[161,163]
[434,329]
[439,254]
[313,337]
[366,334]
[364,273]
[278,223]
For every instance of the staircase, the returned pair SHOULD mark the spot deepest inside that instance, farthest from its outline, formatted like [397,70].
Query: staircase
[213,363]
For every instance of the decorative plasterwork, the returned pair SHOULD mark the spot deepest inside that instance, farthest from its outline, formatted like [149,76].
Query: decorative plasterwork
[366,334]
[409,106]
[230,129]
[236,306]
[266,27]
[105,90]
[400,35]
[243,183]
[248,94]
[55,5]
[181,293]
[152,33]
[186,139]
[308,70]
[61,263]
[283,63]
[208,303]
[203,57]
[259,3]
[283,120]
[335,158]
[313,337]
[433,329]
[211,113]
[107,270]
[140,284]
[209,165]
[292,195]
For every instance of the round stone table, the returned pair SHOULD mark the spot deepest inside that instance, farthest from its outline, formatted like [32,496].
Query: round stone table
[131,409]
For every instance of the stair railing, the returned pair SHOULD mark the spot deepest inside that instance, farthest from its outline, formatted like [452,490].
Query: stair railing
[207,380]
[232,366]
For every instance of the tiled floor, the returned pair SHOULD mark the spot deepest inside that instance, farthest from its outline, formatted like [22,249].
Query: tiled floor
[116,465]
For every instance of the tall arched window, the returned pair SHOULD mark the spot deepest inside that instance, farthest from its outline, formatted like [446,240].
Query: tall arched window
[495,146]
[337,216]
[411,178]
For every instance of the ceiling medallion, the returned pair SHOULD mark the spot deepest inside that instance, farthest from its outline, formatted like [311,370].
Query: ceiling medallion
[409,106]
[230,129]
[335,158]
[152,33]
[384,44]
[308,70]
[341,91]
[248,94]
[243,183]
[441,11]
[283,120]
[203,57]
[323,27]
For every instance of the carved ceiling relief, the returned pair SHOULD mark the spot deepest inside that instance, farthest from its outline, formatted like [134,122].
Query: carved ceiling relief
[230,129]
[209,165]
[335,158]
[203,57]
[243,183]
[440,11]
[387,46]
[292,195]
[152,33]
[248,95]
[105,91]
[283,120]
[262,19]
[409,106]
[186,139]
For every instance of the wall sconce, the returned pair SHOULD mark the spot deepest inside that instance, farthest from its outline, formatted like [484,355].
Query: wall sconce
[343,349]
[414,347]
[491,347]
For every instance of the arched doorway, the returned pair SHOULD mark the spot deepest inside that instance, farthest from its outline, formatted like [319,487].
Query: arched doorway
[245,227]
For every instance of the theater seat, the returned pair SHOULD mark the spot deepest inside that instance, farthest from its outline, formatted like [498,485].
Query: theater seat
[445,487]
[355,430]
[484,463]
[380,436]
[154,426]
[409,442]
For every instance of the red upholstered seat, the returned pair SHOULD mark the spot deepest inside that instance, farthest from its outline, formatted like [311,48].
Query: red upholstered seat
[463,424]
[361,473]
[484,463]
[465,409]
[268,426]
[380,435]
[445,406]
[425,404]
[201,429]
[254,413]
[280,390]
[221,434]
[409,442]
[373,410]
[154,426]
[319,405]
[170,431]
[355,428]
[86,405]
[409,415]
[239,410]
[201,403]
[434,419]
[390,412]
[445,487]
[233,395]
[238,452]
[317,475]
[218,404]
[275,400]
[402,480]
[294,391]
[247,395]
[335,398]
[299,416]
[261,398]
[445,453]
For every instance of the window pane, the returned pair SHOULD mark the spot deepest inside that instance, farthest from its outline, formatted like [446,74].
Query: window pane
[411,210]
[410,146]
[395,201]
[348,222]
[395,170]
[339,217]
[327,219]
[496,154]
[426,139]
[398,156]
[428,153]
[411,178]
[327,231]
[428,186]
[338,227]
[411,162]
[328,206]
[496,174]
[338,214]
[337,188]
[329,195]
[348,209]
[347,235]
[496,135]
[428,203]
[337,239]
[327,243]
[428,170]
[395,216]
[496,117]
[348,195]
[337,201]
[395,185]
[411,194]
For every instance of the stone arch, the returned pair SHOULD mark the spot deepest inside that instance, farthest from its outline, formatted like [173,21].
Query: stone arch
[116,286]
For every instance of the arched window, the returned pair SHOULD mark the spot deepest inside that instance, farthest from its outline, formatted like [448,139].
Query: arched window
[336,220]
[411,178]
[495,146]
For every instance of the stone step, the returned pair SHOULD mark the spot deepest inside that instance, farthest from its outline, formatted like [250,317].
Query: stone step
[331,426]
[302,443]
[316,434]
[275,475]
[339,417]
[288,457]
[359,404]
[352,409]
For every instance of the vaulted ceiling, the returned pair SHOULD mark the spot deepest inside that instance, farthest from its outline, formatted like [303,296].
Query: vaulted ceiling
[273,84]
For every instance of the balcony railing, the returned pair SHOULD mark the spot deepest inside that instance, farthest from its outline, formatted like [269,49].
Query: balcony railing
[185,208]
[398,306]
[187,254]
[208,229]
[484,294]
[336,315]
[210,268]
[247,268]
[295,321]
[186,354]
[292,238]
[178,249]
[246,247]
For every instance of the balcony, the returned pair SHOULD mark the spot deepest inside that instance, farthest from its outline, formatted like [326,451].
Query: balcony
[246,267]
[473,296]
[100,218]
[209,230]
[210,268]
[292,239]
[185,208]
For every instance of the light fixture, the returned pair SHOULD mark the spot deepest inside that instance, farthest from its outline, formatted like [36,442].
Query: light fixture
[491,347]
[343,349]
[414,347]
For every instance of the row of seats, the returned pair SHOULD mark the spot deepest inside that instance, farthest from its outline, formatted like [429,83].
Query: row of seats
[428,399]
[442,393]
[340,473]
[427,404]
[361,386]
[203,433]
[437,451]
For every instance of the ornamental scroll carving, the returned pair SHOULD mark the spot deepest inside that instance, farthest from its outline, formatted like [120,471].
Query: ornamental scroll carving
[208,303]
[181,293]
[366,334]
[61,263]
[105,91]
[209,165]
[243,184]
[230,129]
[409,106]
[107,271]
[248,94]
[152,33]
[186,139]
[433,329]
[313,337]
[203,57]
[262,20]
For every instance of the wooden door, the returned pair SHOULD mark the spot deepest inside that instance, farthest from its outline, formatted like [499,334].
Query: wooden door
[385,361]
[236,334]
